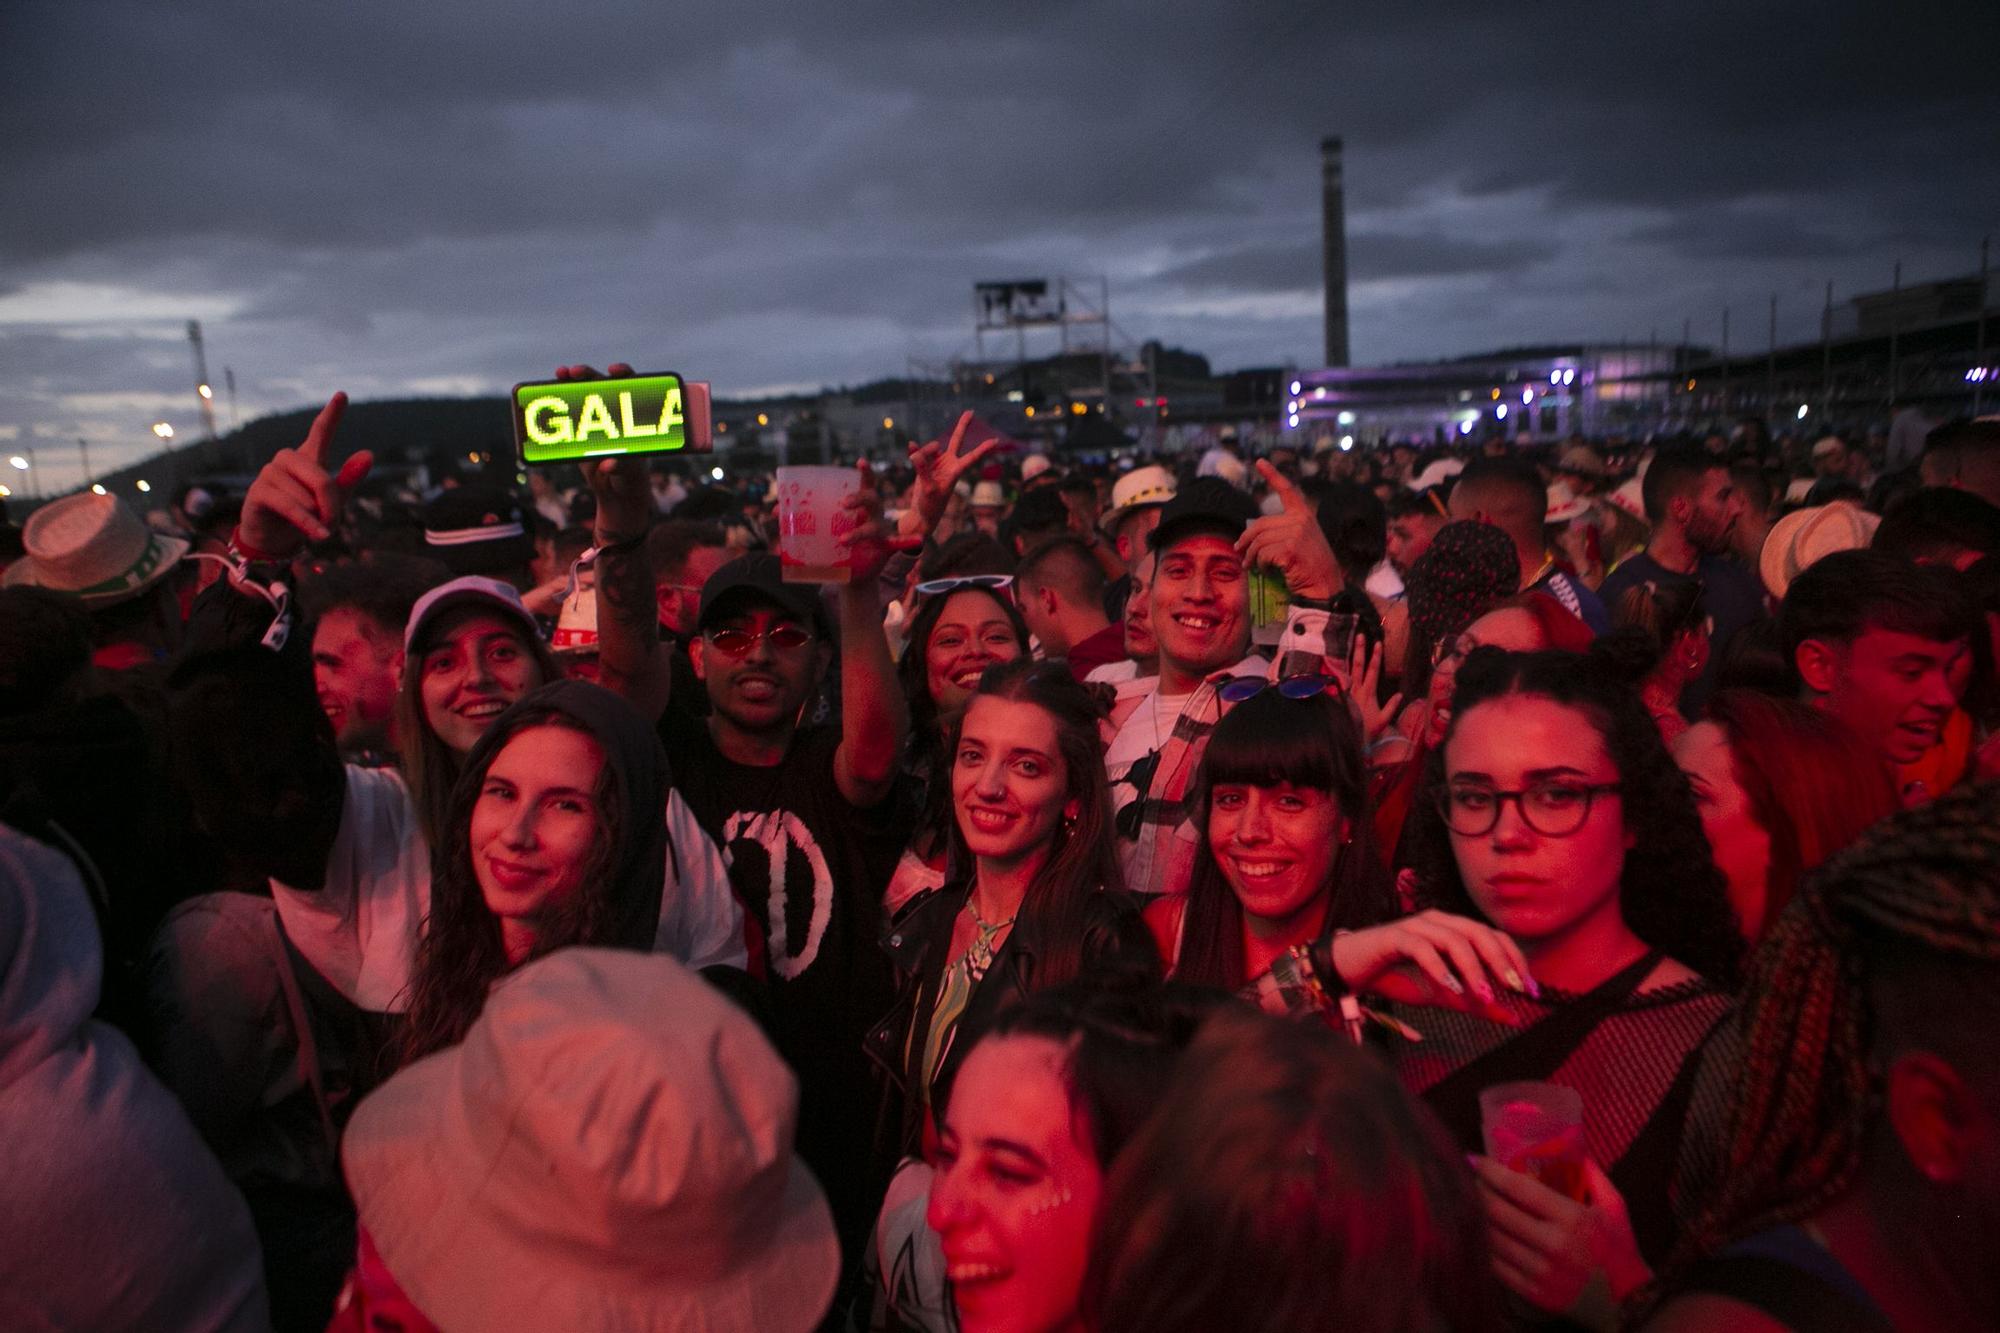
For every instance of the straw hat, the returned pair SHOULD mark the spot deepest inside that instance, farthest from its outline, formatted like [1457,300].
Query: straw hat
[610,1148]
[94,546]
[1807,535]
[1142,486]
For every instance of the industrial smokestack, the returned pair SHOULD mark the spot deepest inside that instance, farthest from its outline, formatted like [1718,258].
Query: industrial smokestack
[1333,238]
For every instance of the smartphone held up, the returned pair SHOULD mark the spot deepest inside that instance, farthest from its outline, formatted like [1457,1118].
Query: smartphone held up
[568,421]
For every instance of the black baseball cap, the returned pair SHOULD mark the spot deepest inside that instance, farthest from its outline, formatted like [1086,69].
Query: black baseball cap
[759,577]
[1206,504]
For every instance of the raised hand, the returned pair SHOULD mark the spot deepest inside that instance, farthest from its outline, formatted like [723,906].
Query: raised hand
[294,499]
[1291,542]
[624,496]
[1364,674]
[939,467]
[866,541]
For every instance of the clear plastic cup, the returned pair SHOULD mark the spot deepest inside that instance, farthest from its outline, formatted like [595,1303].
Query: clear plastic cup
[1537,1129]
[811,521]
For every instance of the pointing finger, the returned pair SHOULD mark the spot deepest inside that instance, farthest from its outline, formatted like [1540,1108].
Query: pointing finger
[323,427]
[1289,493]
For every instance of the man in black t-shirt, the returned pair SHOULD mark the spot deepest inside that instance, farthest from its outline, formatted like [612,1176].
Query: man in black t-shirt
[1694,507]
[805,819]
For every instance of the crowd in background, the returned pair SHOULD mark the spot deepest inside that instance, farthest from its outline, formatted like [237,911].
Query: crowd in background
[1115,905]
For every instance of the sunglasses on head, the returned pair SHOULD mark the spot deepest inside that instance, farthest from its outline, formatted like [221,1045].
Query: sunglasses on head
[1291,687]
[739,642]
[937,587]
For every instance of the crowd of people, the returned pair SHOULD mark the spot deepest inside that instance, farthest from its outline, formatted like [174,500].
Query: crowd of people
[1129,900]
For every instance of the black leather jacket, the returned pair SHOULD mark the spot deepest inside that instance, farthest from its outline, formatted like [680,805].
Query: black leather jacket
[918,941]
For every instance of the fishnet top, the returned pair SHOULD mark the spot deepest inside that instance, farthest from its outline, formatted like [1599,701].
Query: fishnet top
[1655,1141]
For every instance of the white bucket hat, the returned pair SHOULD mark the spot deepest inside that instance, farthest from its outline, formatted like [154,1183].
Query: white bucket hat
[988,495]
[1804,536]
[94,546]
[610,1148]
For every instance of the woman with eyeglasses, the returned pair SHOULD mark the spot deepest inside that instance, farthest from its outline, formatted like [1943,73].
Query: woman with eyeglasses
[1289,902]
[1554,813]
[963,625]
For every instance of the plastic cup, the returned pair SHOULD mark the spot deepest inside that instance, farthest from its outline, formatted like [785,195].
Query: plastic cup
[1537,1130]
[811,521]
[1270,603]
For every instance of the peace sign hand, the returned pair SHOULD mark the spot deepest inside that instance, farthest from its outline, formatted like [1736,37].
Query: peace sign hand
[939,466]
[294,499]
[1291,541]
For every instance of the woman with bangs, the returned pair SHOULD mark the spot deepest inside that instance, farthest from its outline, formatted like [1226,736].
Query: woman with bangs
[1289,902]
[1554,813]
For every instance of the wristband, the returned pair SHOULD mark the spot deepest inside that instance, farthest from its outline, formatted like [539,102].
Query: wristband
[618,545]
[249,554]
[1313,603]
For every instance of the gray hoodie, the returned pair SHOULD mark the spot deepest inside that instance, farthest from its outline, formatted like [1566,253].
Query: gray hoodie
[113,1215]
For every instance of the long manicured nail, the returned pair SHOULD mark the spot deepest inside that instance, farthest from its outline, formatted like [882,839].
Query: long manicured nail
[1451,983]
[1514,980]
[1484,991]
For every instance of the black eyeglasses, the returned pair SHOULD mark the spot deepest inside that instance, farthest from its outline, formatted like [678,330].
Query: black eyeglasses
[1554,809]
[739,642]
[1307,686]
[936,587]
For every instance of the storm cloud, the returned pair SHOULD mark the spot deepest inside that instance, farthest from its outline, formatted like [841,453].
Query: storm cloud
[447,197]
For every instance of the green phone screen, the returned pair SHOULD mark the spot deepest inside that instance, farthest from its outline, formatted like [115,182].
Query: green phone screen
[559,422]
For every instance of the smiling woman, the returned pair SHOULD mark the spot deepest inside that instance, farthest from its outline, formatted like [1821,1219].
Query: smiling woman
[1040,900]
[548,843]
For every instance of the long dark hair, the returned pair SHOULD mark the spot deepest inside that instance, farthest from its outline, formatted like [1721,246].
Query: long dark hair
[1814,785]
[1671,893]
[1051,924]
[1263,741]
[1288,1182]
[430,769]
[461,954]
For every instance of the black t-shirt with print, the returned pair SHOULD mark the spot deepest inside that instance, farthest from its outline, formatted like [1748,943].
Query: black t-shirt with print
[809,870]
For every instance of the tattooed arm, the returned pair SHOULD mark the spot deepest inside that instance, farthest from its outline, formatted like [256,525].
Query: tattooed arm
[631,660]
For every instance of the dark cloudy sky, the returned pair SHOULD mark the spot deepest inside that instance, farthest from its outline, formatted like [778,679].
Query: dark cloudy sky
[447,196]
